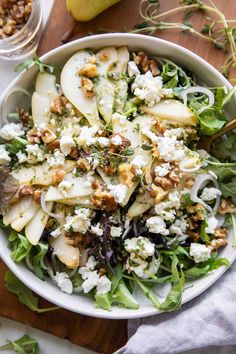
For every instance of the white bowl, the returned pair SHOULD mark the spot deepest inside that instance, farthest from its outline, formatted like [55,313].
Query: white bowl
[205,73]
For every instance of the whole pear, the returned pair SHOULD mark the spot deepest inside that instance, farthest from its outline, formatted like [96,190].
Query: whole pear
[85,10]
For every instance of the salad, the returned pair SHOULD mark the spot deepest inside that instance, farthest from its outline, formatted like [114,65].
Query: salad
[104,188]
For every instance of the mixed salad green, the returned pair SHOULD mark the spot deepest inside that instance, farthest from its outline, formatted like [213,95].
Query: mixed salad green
[103,186]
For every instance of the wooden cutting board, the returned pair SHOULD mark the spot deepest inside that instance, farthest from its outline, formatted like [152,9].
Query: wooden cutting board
[103,336]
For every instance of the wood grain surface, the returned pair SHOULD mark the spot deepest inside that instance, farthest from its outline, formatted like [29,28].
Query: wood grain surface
[103,336]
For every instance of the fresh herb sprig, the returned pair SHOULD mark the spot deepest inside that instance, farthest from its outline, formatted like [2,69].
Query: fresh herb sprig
[217,30]
[41,66]
[24,294]
[23,345]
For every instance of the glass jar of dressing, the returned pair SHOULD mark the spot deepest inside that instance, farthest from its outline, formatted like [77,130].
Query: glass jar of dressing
[24,41]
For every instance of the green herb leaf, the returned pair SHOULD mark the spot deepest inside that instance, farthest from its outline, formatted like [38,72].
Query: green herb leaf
[204,236]
[23,345]
[146,147]
[24,294]
[42,66]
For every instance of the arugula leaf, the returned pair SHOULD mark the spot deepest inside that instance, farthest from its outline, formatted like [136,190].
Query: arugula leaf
[173,75]
[174,298]
[77,282]
[42,66]
[24,294]
[148,292]
[211,121]
[19,245]
[124,297]
[228,189]
[225,149]
[204,236]
[36,258]
[204,268]
[23,345]
[16,145]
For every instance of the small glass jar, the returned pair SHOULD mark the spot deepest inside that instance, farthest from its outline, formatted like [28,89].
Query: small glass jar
[24,42]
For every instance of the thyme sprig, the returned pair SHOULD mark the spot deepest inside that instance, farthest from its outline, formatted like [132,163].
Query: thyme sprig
[217,30]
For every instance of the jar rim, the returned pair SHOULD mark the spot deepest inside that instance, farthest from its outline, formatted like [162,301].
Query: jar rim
[18,34]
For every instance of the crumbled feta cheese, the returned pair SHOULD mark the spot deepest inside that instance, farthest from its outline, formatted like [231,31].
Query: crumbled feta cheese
[139,163]
[200,253]
[91,281]
[11,131]
[157,225]
[171,149]
[132,69]
[141,246]
[103,285]
[119,192]
[167,208]
[116,140]
[4,155]
[149,88]
[103,142]
[64,283]
[209,194]
[89,266]
[21,157]
[162,170]
[79,222]
[91,263]
[57,159]
[179,227]
[97,230]
[66,144]
[65,186]
[212,223]
[87,135]
[116,231]
[175,133]
[35,154]
[121,119]
[57,232]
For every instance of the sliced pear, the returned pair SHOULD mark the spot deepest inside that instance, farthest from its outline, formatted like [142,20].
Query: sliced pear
[34,229]
[83,256]
[41,174]
[144,120]
[71,86]
[105,91]
[173,111]
[24,218]
[127,129]
[45,86]
[130,191]
[108,180]
[78,189]
[16,210]
[67,254]
[107,59]
[40,108]
[121,94]
[142,203]
[81,201]
[123,59]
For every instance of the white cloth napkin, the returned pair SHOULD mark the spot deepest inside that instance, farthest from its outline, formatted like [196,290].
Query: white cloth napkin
[202,325]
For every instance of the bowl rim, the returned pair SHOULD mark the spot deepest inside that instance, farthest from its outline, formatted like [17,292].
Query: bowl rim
[131,314]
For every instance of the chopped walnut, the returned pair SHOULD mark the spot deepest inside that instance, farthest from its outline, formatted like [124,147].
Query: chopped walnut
[164,182]
[87,87]
[109,170]
[89,70]
[226,206]
[125,144]
[194,236]
[23,116]
[58,105]
[158,193]
[74,153]
[221,232]
[189,182]
[47,136]
[126,174]
[102,199]
[32,136]
[101,271]
[54,145]
[83,164]
[160,128]
[58,176]
[145,64]
[25,190]
[74,238]
[37,196]
[173,176]
[217,243]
